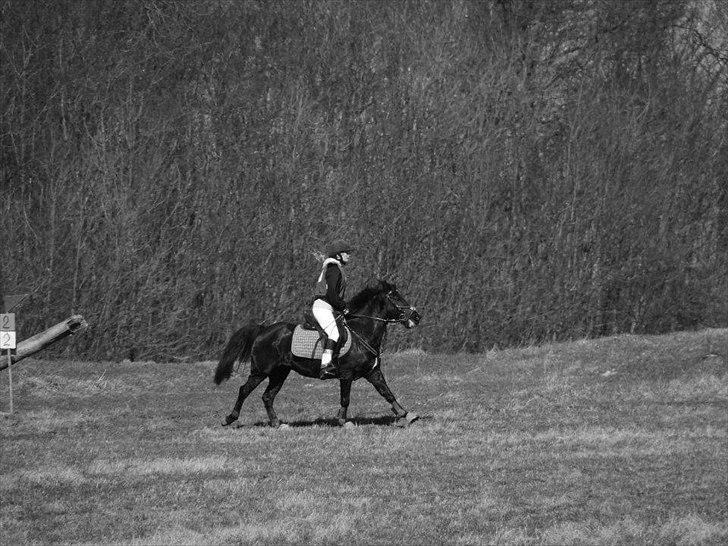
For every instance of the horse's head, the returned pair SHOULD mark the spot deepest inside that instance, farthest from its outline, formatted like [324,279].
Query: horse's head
[397,308]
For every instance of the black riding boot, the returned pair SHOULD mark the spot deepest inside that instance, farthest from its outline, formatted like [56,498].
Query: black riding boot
[329,370]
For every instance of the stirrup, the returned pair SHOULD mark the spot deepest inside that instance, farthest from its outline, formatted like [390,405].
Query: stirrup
[328,372]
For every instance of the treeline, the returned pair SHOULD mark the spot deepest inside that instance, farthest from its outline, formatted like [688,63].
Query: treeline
[523,170]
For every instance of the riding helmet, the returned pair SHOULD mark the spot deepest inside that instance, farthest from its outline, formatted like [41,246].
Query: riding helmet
[337,247]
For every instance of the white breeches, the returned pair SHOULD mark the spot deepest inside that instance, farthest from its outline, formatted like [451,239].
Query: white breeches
[324,315]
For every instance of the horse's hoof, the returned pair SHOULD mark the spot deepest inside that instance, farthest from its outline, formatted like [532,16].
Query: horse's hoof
[229,420]
[407,420]
[284,426]
[349,424]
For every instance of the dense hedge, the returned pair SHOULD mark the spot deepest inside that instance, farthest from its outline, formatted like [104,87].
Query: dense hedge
[523,170]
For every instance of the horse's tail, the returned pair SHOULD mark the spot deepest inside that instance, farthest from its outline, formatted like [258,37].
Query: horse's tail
[239,347]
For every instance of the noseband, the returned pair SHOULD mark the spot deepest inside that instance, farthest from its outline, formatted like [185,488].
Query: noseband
[405,313]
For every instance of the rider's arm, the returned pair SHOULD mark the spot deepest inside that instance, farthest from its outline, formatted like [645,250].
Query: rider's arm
[333,288]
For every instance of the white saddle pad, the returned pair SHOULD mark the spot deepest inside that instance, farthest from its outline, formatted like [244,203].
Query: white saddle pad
[308,344]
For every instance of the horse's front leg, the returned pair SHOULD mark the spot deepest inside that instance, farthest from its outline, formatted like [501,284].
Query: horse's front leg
[345,381]
[376,378]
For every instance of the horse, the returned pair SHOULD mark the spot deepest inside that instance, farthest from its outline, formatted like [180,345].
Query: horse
[269,350]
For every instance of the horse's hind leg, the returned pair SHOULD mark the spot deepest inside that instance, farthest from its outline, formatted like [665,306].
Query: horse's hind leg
[277,378]
[245,390]
[376,378]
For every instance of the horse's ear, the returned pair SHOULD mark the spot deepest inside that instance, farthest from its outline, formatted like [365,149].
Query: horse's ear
[386,286]
[371,282]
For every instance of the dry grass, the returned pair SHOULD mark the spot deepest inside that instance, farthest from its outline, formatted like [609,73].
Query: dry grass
[611,441]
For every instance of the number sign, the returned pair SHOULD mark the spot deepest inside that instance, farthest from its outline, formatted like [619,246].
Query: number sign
[7,331]
[7,340]
[7,322]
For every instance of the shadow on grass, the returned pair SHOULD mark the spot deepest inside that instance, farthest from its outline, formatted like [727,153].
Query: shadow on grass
[384,420]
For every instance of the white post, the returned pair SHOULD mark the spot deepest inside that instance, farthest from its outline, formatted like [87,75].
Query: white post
[7,342]
[10,379]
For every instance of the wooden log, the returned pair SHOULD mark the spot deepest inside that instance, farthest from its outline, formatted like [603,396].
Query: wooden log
[40,341]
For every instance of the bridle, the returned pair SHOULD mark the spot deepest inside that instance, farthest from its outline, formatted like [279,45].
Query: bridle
[405,313]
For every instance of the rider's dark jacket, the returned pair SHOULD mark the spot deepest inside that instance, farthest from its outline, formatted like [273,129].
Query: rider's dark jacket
[335,287]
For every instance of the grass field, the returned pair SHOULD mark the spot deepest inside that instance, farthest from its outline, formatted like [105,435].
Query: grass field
[616,440]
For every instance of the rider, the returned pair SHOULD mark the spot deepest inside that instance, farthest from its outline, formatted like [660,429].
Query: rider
[329,295]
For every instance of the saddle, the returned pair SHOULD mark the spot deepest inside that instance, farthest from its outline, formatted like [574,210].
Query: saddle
[308,339]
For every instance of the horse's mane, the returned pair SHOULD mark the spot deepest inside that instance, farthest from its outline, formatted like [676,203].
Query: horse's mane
[369,292]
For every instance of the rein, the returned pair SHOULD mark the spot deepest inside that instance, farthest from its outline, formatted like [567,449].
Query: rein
[380,319]
[365,343]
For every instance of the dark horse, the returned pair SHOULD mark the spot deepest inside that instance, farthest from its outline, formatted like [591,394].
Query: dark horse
[269,350]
